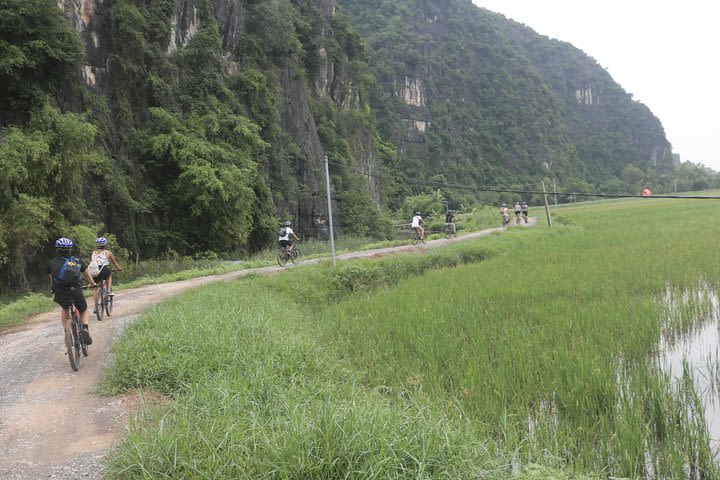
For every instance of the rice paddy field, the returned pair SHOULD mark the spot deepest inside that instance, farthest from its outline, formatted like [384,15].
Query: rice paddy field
[589,350]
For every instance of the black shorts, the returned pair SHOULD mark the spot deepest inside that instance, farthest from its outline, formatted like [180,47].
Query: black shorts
[103,275]
[517,212]
[64,296]
[285,243]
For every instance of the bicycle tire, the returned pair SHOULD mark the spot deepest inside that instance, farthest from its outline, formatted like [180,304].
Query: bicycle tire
[70,345]
[108,305]
[294,255]
[99,305]
[282,259]
[414,239]
[77,340]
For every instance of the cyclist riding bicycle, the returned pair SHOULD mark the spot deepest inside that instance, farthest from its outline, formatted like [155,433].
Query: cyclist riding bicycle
[518,211]
[450,221]
[415,225]
[285,235]
[505,214]
[65,271]
[99,266]
[525,211]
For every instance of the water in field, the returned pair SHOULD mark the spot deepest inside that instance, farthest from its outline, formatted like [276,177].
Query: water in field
[690,345]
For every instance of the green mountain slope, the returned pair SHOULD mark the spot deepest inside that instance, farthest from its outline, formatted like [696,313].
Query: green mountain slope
[499,102]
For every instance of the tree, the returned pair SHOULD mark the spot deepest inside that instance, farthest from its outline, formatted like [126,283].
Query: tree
[38,50]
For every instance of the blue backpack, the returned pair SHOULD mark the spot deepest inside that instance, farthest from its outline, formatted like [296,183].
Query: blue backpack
[69,273]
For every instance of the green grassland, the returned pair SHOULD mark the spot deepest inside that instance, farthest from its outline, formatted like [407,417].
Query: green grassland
[524,354]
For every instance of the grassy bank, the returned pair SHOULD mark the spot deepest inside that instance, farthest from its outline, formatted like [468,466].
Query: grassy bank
[254,394]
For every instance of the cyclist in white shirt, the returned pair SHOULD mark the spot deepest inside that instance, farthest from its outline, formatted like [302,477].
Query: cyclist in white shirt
[284,237]
[415,225]
[99,266]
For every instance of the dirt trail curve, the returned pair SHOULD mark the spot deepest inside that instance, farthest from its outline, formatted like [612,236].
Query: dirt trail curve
[51,424]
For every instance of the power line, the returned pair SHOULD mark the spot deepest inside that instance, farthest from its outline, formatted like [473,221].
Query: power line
[511,190]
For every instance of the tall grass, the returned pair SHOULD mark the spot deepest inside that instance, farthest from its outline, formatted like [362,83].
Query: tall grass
[524,355]
[547,345]
[255,395]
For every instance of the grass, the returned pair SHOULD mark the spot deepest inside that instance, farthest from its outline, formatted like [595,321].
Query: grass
[557,332]
[524,355]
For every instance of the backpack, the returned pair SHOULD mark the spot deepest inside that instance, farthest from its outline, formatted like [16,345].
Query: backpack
[94,267]
[282,232]
[69,273]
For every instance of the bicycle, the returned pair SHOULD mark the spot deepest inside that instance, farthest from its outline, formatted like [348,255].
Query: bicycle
[73,338]
[415,237]
[450,230]
[103,300]
[506,221]
[284,256]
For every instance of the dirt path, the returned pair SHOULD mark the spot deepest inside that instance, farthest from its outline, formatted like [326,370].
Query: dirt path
[52,425]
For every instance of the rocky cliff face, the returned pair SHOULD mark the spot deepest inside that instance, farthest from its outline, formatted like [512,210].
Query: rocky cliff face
[91,18]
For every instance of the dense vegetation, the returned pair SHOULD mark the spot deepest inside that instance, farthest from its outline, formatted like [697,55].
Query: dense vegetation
[198,145]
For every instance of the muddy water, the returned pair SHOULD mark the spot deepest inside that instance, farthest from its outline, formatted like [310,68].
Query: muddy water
[697,349]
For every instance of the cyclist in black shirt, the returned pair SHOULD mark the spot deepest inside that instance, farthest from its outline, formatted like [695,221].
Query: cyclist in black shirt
[65,271]
[450,221]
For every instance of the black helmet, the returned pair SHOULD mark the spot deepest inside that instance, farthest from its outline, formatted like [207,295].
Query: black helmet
[417,213]
[450,211]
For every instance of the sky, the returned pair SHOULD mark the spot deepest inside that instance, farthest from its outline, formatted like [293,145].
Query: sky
[666,53]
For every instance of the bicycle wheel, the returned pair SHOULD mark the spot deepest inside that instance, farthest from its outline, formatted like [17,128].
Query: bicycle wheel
[414,239]
[70,345]
[76,340]
[99,304]
[295,255]
[108,304]
[282,258]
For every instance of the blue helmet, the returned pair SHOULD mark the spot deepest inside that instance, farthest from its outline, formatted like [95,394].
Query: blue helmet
[101,242]
[63,243]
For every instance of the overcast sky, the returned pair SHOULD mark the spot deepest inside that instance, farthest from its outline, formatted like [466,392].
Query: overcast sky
[664,52]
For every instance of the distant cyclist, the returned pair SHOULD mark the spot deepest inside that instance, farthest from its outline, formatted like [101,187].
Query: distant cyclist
[518,212]
[285,236]
[415,225]
[99,266]
[450,221]
[505,215]
[65,271]
[525,211]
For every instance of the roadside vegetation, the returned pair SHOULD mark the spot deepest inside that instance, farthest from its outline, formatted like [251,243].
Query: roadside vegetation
[14,310]
[528,354]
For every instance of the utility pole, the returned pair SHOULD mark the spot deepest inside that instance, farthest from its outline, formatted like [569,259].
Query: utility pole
[330,219]
[547,207]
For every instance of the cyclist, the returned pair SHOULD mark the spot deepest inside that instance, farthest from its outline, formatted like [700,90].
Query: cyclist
[450,221]
[525,211]
[284,237]
[518,212]
[505,214]
[64,271]
[99,266]
[415,225]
